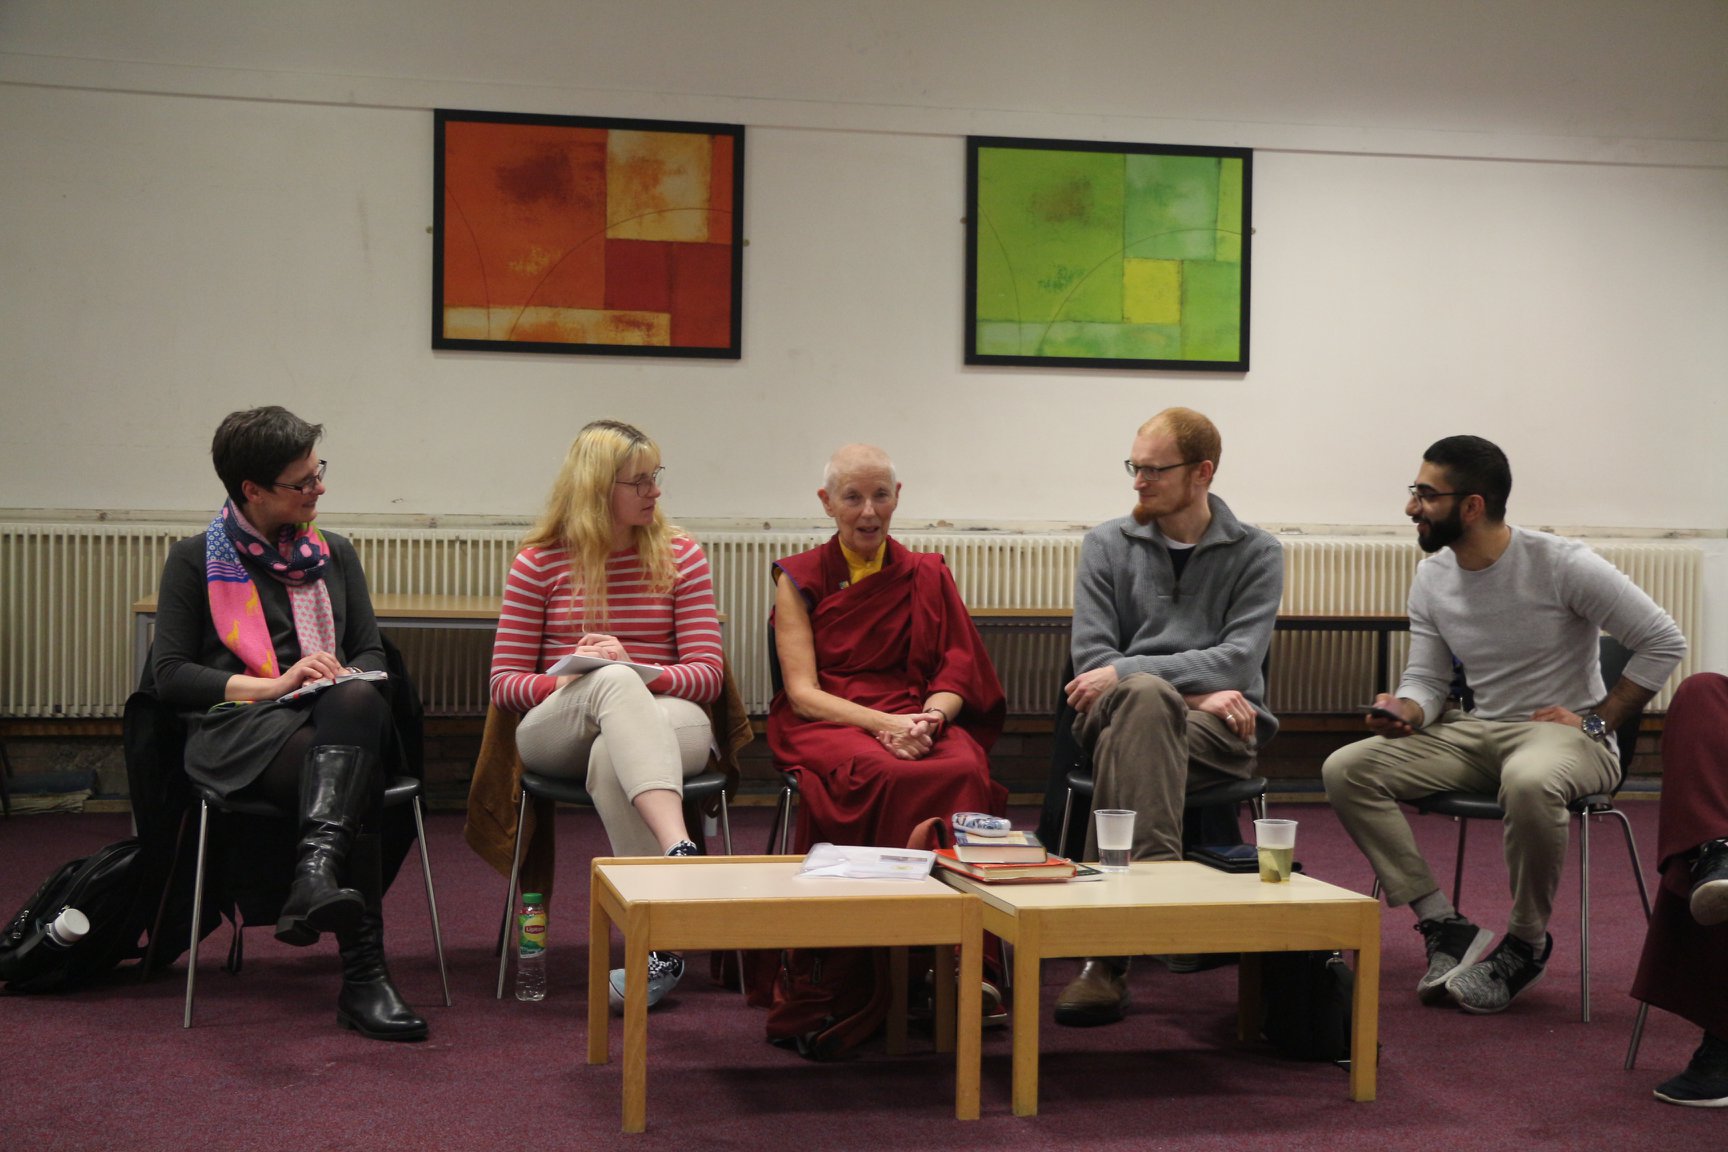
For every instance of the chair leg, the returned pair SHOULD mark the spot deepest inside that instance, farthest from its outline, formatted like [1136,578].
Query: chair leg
[510,894]
[1584,917]
[725,824]
[197,910]
[785,818]
[1062,841]
[1632,853]
[1637,1035]
[162,904]
[726,838]
[431,899]
[5,777]
[1458,868]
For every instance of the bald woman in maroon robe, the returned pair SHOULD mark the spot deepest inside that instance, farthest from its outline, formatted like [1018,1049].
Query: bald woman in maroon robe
[890,705]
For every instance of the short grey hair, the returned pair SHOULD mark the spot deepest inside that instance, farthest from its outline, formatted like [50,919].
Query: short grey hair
[831,471]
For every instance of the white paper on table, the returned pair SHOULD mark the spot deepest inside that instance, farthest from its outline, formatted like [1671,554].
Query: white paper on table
[573,663]
[860,863]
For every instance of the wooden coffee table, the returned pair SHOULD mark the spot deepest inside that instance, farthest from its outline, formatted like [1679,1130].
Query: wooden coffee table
[730,902]
[1177,907]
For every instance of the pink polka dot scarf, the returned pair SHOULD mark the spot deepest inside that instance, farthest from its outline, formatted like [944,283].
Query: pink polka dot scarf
[297,560]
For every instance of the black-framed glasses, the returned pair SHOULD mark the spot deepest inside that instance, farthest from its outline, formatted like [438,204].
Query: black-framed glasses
[1153,471]
[1428,495]
[645,484]
[306,486]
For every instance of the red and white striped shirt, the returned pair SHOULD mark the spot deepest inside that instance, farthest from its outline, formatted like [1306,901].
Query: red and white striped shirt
[679,630]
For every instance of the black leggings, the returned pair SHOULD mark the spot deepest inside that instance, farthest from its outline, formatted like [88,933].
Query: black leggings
[354,713]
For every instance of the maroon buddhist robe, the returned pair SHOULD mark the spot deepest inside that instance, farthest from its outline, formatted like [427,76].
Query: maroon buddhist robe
[1684,968]
[887,643]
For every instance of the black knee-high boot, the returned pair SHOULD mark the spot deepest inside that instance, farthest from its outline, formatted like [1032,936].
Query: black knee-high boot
[369,1002]
[334,787]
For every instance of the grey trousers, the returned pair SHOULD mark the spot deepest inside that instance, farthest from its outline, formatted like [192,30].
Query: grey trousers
[1534,769]
[607,727]
[1149,749]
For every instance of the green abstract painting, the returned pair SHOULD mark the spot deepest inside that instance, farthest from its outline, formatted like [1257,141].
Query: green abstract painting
[1107,255]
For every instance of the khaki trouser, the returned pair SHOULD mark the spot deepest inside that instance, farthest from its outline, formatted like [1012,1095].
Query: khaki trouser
[1149,749]
[1534,769]
[607,726]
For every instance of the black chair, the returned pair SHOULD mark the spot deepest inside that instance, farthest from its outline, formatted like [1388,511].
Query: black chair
[782,826]
[1224,797]
[402,790]
[698,790]
[1467,806]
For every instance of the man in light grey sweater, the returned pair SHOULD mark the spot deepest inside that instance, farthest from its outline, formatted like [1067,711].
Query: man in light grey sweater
[1522,612]
[1173,612]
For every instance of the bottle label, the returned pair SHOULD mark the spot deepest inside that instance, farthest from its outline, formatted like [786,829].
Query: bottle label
[531,940]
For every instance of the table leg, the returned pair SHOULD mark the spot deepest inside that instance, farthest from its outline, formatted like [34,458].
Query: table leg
[1365,1013]
[1249,1009]
[942,1004]
[635,1022]
[1028,943]
[897,1002]
[599,944]
[970,1027]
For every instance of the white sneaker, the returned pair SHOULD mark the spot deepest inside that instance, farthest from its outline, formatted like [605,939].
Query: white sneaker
[665,969]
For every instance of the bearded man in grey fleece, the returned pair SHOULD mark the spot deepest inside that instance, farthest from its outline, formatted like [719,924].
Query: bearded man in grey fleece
[1173,612]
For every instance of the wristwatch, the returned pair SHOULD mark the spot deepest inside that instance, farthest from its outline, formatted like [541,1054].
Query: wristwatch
[1595,727]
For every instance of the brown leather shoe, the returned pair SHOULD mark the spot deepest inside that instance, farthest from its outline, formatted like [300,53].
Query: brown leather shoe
[1096,996]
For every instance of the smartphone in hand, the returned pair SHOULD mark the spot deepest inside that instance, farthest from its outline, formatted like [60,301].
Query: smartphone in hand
[1377,711]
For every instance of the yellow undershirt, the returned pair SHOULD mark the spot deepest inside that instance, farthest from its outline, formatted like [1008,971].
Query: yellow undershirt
[858,567]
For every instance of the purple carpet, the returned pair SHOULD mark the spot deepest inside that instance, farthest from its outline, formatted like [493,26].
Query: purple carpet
[265,1066]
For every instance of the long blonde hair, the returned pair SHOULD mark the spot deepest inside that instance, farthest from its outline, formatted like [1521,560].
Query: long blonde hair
[578,515]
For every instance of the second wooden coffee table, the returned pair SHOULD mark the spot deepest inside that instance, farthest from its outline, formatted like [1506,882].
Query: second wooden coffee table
[1175,907]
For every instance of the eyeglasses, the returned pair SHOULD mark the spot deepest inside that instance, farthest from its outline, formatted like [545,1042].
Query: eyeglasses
[306,486]
[645,484]
[1153,471]
[1428,495]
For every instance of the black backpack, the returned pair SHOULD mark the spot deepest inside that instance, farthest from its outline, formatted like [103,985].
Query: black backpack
[1307,999]
[106,888]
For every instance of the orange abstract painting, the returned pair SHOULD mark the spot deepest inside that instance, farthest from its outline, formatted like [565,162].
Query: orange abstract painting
[575,234]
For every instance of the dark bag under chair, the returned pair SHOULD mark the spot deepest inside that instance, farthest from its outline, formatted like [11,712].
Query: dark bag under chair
[118,891]
[1306,998]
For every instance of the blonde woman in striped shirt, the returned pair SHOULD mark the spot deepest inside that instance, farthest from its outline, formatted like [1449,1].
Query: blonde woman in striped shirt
[603,574]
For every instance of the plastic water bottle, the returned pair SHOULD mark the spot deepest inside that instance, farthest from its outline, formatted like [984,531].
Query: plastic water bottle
[531,948]
[67,928]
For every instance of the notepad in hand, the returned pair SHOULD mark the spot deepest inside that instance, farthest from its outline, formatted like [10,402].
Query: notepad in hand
[573,665]
[312,687]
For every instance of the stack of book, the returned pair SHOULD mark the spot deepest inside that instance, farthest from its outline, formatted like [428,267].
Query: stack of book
[1017,857]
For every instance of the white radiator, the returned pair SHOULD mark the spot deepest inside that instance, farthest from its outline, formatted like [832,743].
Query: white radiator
[66,595]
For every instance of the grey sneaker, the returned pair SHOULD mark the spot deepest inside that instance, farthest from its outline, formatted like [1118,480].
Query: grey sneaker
[665,969]
[1492,985]
[1453,943]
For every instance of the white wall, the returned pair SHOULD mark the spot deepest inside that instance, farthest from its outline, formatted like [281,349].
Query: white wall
[1509,219]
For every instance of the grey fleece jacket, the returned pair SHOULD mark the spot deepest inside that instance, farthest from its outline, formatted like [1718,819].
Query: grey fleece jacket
[1207,633]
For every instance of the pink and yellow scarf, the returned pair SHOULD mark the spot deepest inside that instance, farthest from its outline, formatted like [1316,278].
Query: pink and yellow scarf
[296,559]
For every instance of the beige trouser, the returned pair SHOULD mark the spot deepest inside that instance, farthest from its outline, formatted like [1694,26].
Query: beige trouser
[1534,769]
[1149,750]
[627,741]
